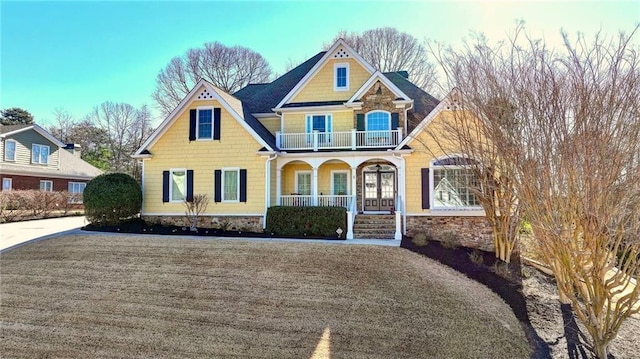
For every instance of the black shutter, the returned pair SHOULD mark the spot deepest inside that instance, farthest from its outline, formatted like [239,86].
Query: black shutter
[243,185]
[192,125]
[216,123]
[360,122]
[217,196]
[426,187]
[165,186]
[189,186]
[395,120]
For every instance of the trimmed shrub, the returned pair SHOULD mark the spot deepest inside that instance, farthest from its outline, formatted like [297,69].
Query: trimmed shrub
[112,197]
[307,221]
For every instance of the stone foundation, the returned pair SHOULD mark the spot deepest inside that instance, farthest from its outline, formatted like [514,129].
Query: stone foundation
[472,232]
[228,223]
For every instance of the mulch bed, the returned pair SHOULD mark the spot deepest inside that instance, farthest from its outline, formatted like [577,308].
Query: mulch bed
[138,226]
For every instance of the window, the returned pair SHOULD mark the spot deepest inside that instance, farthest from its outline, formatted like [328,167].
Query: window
[452,182]
[10,150]
[320,123]
[230,185]
[178,185]
[378,121]
[39,154]
[205,123]
[341,76]
[46,186]
[75,190]
[303,183]
[340,182]
[7,184]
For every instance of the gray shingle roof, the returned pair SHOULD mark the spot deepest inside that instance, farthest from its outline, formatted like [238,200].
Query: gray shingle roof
[10,128]
[423,103]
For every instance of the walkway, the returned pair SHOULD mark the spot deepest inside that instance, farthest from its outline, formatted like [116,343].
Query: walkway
[19,233]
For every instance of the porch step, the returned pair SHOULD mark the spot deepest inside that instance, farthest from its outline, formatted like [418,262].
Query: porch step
[374,226]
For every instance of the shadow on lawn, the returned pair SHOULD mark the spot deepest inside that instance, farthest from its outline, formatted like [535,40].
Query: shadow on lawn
[508,287]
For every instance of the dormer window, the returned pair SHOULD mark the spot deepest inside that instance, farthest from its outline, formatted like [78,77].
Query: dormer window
[341,77]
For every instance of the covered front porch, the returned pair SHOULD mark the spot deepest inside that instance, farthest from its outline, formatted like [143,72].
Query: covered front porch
[364,184]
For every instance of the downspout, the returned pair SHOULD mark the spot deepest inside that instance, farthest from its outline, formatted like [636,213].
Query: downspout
[267,187]
[406,121]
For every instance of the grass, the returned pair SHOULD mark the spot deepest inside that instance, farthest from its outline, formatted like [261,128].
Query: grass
[140,297]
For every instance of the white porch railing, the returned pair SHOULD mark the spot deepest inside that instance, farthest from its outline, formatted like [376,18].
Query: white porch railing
[338,140]
[321,200]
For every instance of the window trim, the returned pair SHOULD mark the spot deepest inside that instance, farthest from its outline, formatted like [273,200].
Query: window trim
[45,182]
[347,172]
[297,188]
[10,183]
[433,167]
[366,119]
[171,171]
[337,66]
[33,145]
[15,149]
[71,193]
[222,184]
[328,122]
[198,109]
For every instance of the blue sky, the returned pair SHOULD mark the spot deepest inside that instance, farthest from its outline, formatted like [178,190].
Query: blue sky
[76,55]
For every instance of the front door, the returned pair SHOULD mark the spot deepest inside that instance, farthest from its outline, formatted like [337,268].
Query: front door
[379,191]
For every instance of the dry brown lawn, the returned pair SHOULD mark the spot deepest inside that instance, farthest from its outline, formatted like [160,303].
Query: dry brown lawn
[142,297]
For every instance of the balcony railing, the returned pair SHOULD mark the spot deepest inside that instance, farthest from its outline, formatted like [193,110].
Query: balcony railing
[321,200]
[338,140]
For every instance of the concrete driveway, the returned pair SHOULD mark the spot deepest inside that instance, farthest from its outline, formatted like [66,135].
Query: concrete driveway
[18,233]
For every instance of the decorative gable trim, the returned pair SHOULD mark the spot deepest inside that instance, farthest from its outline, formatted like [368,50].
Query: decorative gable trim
[216,94]
[450,102]
[377,76]
[339,48]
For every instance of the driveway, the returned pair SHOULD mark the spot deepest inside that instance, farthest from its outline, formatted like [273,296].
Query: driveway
[19,233]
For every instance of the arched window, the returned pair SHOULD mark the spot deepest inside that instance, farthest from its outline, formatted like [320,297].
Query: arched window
[378,121]
[453,184]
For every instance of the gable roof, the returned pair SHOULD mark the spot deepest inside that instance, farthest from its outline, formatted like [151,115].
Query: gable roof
[233,105]
[423,103]
[318,65]
[10,130]
[372,80]
[428,118]
[262,98]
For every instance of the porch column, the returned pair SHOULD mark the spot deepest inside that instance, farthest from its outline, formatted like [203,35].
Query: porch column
[315,186]
[279,186]
[354,187]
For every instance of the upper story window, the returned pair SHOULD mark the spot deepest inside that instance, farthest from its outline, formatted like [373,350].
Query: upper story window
[341,77]
[205,123]
[453,183]
[39,154]
[378,121]
[320,123]
[10,150]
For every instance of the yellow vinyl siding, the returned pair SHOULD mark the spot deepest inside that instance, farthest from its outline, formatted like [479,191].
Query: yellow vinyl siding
[425,150]
[236,148]
[272,124]
[296,122]
[320,87]
[324,176]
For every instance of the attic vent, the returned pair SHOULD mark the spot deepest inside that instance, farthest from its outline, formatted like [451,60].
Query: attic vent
[454,102]
[205,95]
[341,54]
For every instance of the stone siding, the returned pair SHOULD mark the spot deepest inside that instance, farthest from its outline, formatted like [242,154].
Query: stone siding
[472,232]
[229,223]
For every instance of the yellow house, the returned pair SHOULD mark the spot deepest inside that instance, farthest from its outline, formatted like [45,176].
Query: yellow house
[332,131]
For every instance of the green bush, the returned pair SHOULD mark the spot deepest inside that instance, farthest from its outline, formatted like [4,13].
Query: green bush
[307,221]
[112,197]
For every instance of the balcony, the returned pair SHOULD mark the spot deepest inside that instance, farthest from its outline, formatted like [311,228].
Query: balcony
[352,140]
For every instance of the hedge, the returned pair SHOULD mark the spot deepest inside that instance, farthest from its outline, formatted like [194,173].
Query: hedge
[307,221]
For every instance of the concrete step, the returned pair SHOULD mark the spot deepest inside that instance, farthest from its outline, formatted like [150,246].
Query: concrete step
[374,226]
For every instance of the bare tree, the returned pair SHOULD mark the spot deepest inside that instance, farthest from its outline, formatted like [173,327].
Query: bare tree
[126,128]
[570,129]
[63,125]
[388,49]
[229,68]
